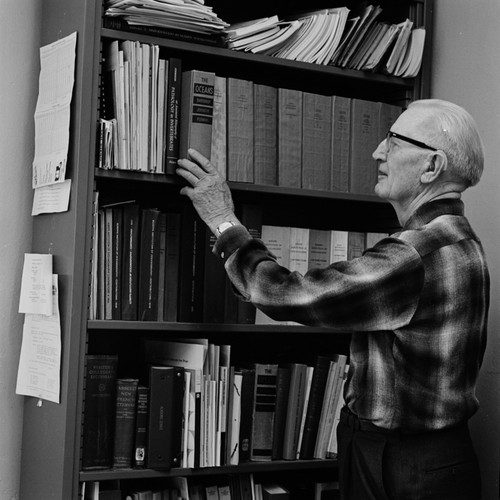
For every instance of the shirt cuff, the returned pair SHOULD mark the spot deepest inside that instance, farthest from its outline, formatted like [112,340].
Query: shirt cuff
[230,240]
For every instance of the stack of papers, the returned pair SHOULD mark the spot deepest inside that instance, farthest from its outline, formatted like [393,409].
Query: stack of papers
[187,15]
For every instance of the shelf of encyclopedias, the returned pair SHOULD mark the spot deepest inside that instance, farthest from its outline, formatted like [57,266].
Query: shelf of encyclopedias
[53,441]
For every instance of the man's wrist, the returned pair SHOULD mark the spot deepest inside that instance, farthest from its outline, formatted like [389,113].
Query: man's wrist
[223,226]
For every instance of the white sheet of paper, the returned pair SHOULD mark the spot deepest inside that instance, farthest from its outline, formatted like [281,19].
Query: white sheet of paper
[52,198]
[52,113]
[36,284]
[39,368]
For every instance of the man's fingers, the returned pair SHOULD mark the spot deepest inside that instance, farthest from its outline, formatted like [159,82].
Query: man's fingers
[201,160]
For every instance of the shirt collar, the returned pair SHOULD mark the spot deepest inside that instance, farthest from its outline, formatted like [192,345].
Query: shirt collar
[433,209]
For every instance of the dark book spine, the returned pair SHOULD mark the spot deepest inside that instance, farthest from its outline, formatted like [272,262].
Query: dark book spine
[173,113]
[264,411]
[148,265]
[161,381]
[214,282]
[282,389]
[247,403]
[251,218]
[191,276]
[130,261]
[313,414]
[172,260]
[116,263]
[141,427]
[126,400]
[99,411]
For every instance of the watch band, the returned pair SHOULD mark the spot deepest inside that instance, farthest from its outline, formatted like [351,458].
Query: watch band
[223,226]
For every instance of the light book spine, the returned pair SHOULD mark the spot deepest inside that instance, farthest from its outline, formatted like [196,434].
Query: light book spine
[197,107]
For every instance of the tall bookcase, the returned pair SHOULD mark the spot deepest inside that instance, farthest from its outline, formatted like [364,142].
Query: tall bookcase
[52,432]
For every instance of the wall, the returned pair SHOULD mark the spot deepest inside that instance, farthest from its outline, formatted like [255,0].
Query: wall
[19,60]
[466,70]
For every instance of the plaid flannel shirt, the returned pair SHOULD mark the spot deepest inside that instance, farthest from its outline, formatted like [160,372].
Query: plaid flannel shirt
[417,303]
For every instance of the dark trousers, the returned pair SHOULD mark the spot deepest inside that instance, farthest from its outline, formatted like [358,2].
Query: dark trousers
[378,464]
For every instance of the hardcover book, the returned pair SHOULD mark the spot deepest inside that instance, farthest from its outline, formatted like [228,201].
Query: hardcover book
[165,417]
[173,101]
[289,138]
[172,260]
[282,393]
[364,141]
[316,141]
[141,427]
[126,401]
[149,260]
[219,127]
[265,134]
[99,411]
[264,409]
[240,128]
[197,107]
[341,138]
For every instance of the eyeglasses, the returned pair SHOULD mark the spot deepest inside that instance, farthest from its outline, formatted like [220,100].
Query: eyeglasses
[419,144]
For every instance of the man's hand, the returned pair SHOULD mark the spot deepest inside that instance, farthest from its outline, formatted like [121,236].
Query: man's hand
[208,191]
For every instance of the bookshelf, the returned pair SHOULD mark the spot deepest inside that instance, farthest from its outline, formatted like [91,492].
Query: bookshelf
[52,433]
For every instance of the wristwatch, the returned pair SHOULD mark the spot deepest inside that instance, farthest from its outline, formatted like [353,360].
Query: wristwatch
[223,226]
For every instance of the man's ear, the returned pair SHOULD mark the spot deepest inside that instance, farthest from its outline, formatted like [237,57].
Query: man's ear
[436,165]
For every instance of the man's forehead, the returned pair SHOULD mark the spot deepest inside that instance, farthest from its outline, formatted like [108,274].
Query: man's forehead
[412,120]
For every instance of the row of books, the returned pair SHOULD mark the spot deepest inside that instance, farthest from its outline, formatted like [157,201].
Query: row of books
[334,37]
[194,407]
[241,487]
[338,36]
[155,265]
[252,132]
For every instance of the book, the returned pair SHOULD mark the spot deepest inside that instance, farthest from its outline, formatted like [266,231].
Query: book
[309,374]
[212,492]
[197,106]
[141,427]
[99,411]
[321,367]
[388,114]
[118,23]
[247,415]
[130,261]
[330,401]
[316,141]
[173,117]
[214,280]
[125,413]
[149,257]
[339,245]
[319,248]
[224,492]
[265,134]
[233,417]
[264,408]
[219,127]
[190,356]
[364,141]
[341,137]
[251,217]
[282,394]
[165,417]
[274,491]
[172,261]
[240,129]
[326,490]
[355,244]
[295,407]
[116,262]
[162,247]
[192,256]
[289,138]
[299,249]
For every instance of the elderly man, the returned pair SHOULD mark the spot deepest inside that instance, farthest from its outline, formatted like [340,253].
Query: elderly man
[417,301]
